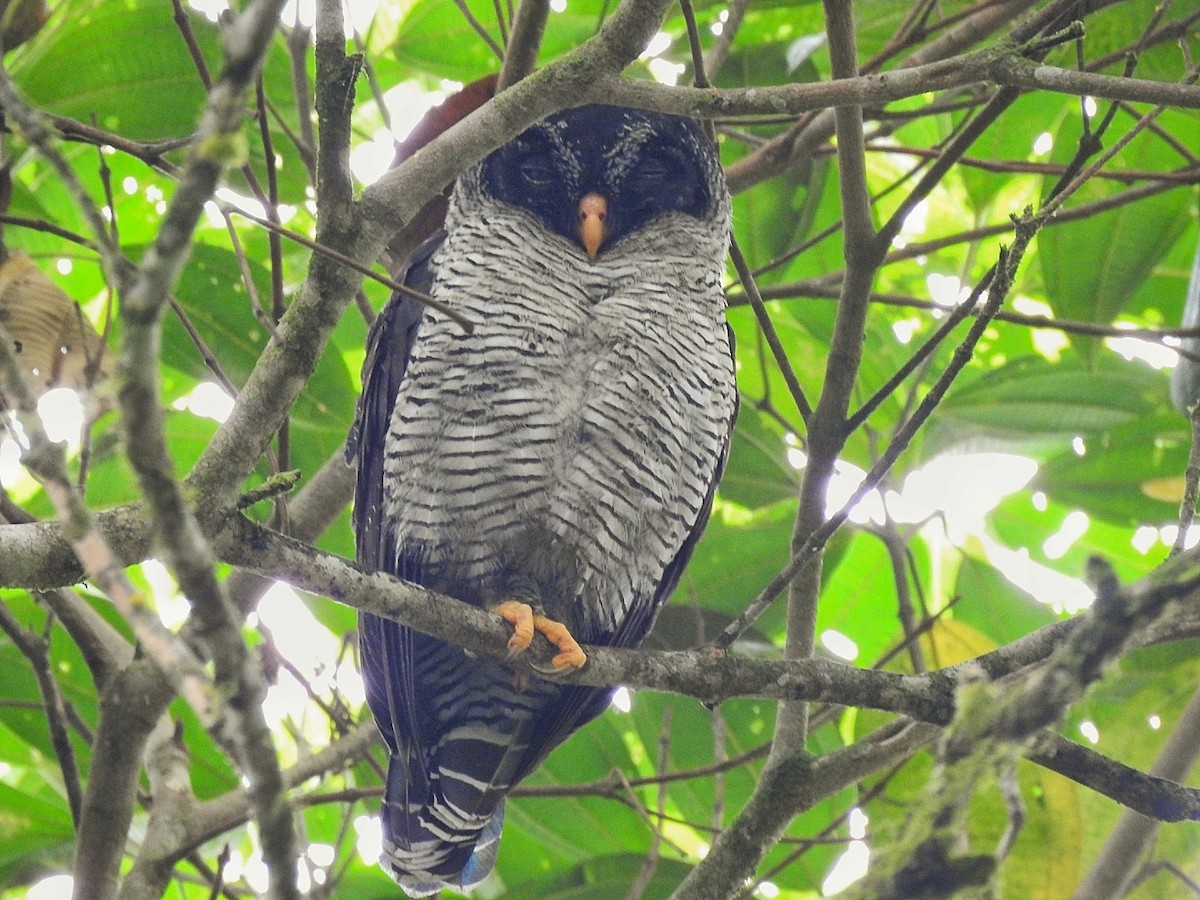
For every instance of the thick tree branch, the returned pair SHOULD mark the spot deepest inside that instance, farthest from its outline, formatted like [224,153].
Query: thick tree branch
[131,703]
[786,789]
[702,674]
[826,432]
[238,724]
[1002,66]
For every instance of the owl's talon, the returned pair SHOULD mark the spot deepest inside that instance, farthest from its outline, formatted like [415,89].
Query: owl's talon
[520,616]
[570,656]
[525,622]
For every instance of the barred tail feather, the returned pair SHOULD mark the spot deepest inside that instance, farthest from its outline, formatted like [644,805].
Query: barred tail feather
[429,845]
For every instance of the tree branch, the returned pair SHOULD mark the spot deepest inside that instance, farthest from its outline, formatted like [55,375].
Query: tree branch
[784,790]
[520,55]
[239,724]
[996,723]
[707,676]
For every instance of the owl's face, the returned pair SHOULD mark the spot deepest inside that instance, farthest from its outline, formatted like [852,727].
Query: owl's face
[597,174]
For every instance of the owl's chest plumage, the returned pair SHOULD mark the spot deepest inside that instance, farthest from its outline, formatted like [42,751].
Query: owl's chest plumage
[540,456]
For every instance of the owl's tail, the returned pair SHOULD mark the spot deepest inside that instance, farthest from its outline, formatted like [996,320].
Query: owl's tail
[431,845]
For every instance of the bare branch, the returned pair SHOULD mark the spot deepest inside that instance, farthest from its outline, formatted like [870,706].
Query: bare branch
[520,54]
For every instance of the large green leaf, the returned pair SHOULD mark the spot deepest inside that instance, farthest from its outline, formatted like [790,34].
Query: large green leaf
[118,54]
[1034,405]
[552,834]
[433,37]
[859,599]
[1124,475]
[1024,527]
[993,605]
[1092,267]
[35,834]
[1010,139]
[735,559]
[25,719]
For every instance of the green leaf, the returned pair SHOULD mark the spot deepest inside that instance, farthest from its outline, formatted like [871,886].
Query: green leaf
[1126,475]
[1035,405]
[35,832]
[738,554]
[758,473]
[213,296]
[1092,267]
[1021,525]
[605,877]
[993,605]
[435,37]
[858,595]
[1010,140]
[1047,861]
[118,54]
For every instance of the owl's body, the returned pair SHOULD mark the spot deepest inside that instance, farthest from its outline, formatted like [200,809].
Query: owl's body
[564,454]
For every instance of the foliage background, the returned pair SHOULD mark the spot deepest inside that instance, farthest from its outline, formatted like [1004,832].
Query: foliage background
[1055,381]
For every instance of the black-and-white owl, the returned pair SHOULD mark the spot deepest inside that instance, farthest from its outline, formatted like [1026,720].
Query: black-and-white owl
[557,464]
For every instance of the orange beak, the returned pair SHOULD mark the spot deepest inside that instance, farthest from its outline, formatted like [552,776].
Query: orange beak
[592,210]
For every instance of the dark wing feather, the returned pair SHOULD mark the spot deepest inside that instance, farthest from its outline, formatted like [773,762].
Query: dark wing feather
[389,346]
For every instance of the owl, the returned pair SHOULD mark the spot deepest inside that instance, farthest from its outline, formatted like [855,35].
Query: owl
[556,464]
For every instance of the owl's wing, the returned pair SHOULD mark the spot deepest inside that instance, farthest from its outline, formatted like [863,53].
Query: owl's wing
[389,345]
[384,644]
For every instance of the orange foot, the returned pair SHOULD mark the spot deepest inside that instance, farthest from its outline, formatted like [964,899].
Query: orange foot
[525,622]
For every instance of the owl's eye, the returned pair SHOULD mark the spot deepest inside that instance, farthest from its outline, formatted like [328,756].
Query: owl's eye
[655,170]
[664,179]
[537,171]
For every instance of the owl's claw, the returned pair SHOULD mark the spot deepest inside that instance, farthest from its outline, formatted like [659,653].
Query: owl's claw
[520,617]
[525,622]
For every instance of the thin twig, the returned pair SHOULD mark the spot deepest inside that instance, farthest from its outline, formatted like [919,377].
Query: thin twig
[351,263]
[36,651]
[718,53]
[479,29]
[767,329]
[650,863]
[1191,485]
[184,24]
[299,40]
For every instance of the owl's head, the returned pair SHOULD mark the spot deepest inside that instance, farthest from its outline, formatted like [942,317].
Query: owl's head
[597,174]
